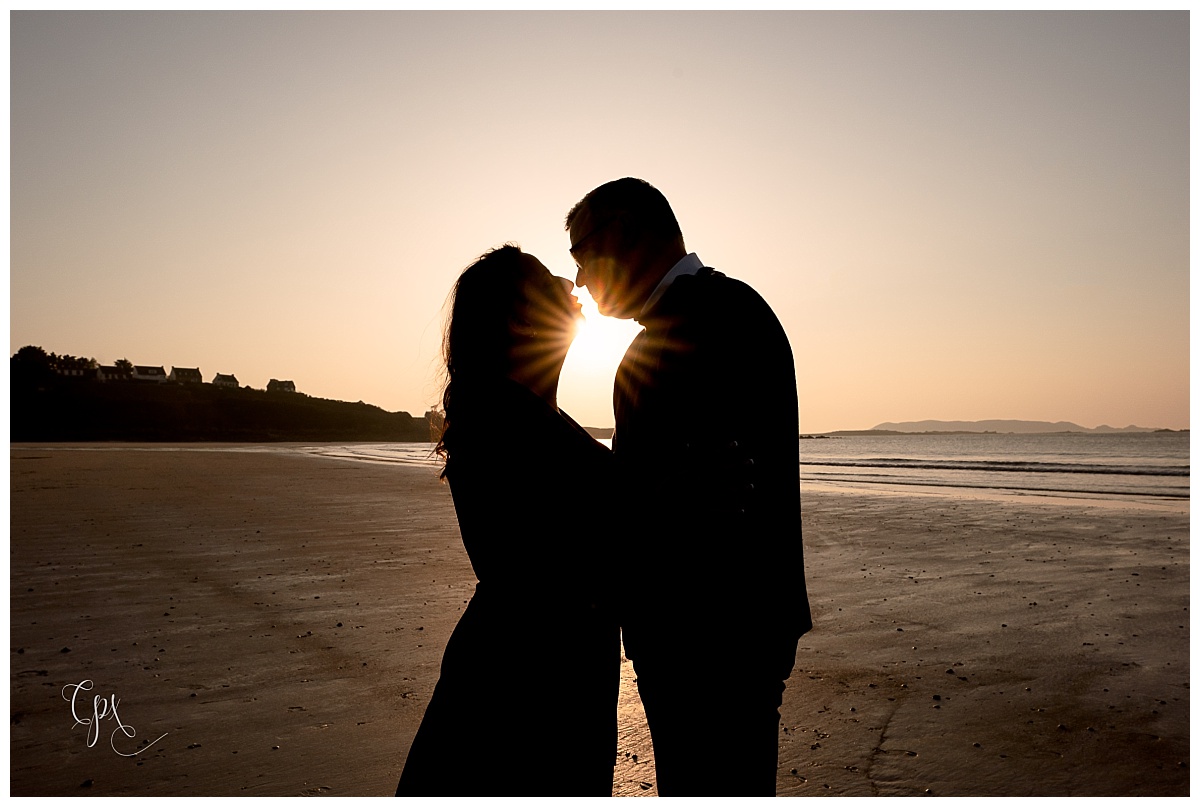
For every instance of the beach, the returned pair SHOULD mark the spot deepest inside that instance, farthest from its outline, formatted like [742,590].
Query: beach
[271,623]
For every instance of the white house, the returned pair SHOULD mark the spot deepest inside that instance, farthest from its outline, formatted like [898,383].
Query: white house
[222,380]
[110,372]
[145,373]
[186,375]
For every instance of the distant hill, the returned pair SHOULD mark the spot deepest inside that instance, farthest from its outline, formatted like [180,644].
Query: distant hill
[1000,426]
[69,410]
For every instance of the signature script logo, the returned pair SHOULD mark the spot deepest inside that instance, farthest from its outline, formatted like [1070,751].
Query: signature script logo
[101,708]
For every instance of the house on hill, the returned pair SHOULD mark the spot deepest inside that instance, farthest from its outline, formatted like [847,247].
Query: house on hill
[186,375]
[280,386]
[112,372]
[71,370]
[145,373]
[222,380]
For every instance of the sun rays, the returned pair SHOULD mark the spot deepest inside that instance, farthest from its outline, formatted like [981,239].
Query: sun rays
[591,364]
[600,341]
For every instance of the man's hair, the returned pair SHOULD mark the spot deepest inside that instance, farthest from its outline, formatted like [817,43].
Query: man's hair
[644,211]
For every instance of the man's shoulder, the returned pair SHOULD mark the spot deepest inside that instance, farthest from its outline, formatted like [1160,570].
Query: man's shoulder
[727,297]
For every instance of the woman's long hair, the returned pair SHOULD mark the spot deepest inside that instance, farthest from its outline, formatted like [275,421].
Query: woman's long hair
[479,331]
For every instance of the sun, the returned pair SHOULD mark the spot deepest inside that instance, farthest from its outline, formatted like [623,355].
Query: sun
[600,341]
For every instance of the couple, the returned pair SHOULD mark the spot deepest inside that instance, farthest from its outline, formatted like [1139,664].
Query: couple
[686,536]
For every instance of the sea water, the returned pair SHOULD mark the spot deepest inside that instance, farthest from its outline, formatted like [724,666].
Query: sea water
[1139,464]
[1123,465]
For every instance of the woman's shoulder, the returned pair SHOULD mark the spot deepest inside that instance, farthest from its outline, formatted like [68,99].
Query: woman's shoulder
[504,410]
[585,440]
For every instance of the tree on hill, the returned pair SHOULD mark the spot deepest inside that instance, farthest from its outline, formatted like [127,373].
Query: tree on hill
[30,365]
[71,365]
[33,365]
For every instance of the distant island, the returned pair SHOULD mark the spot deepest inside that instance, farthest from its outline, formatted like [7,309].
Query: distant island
[990,427]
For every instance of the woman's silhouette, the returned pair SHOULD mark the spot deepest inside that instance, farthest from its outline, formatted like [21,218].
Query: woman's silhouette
[527,698]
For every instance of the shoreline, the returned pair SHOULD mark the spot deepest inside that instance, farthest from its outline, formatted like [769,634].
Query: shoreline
[281,617]
[1180,504]
[1032,496]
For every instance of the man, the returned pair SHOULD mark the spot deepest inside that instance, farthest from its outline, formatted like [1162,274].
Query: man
[706,440]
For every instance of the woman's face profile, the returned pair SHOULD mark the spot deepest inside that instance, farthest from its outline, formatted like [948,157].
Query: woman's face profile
[550,308]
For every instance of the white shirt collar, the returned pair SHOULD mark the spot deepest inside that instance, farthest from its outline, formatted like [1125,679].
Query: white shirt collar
[687,265]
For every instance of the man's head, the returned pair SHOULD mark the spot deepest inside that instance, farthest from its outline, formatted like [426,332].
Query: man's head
[624,238]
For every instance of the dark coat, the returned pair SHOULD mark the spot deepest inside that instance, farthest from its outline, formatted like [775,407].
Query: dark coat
[707,440]
[527,699]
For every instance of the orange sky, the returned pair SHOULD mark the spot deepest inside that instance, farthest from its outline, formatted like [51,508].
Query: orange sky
[957,216]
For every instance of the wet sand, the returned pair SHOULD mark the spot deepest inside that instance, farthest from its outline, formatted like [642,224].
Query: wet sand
[280,618]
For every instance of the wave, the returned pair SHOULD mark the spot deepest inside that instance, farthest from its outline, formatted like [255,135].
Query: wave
[873,479]
[1007,466]
[377,453]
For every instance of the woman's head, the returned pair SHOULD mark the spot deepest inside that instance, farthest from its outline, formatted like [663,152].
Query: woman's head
[508,317]
[505,308]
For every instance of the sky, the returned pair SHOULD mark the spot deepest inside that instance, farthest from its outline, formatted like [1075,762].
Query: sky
[955,215]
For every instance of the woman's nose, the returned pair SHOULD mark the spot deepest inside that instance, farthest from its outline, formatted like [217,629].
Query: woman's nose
[567,284]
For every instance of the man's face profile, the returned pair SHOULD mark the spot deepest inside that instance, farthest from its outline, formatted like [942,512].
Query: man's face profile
[599,270]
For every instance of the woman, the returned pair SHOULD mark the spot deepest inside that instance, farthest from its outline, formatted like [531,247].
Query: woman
[527,698]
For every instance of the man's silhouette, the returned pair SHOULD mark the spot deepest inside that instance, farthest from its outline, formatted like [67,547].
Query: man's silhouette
[706,441]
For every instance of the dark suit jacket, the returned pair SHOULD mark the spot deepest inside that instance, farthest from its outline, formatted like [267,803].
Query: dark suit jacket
[707,443]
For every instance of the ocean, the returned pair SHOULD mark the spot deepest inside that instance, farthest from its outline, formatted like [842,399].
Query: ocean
[1126,466]
[1143,465]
